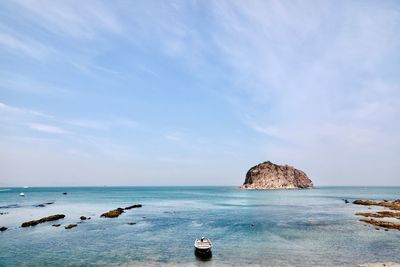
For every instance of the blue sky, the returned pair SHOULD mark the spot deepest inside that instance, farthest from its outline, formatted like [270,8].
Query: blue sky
[197,92]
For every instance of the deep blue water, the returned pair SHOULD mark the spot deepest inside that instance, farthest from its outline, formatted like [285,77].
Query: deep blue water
[269,228]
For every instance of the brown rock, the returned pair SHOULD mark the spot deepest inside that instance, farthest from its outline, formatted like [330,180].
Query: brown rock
[393,205]
[383,224]
[113,213]
[268,175]
[380,214]
[42,220]
[72,225]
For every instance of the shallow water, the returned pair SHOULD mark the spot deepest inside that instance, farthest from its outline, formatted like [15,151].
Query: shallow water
[270,228]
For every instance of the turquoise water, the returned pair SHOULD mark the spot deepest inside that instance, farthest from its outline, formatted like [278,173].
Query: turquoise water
[270,228]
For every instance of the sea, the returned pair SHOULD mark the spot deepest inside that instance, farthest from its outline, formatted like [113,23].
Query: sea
[313,227]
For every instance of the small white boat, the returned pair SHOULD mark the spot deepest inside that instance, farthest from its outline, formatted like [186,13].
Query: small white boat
[22,194]
[26,186]
[202,247]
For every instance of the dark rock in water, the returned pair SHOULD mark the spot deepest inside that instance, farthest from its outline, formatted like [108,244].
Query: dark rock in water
[2,229]
[56,225]
[268,175]
[113,213]
[131,223]
[346,201]
[83,218]
[42,220]
[11,206]
[42,205]
[3,213]
[65,193]
[133,207]
[72,225]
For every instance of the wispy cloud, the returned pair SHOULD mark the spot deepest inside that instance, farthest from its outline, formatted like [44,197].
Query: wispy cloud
[74,18]
[8,110]
[22,46]
[47,128]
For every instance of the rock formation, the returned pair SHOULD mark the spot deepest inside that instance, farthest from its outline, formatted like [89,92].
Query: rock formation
[43,220]
[393,205]
[133,207]
[70,226]
[113,213]
[268,175]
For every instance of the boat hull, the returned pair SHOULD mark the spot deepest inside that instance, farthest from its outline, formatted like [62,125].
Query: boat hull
[203,253]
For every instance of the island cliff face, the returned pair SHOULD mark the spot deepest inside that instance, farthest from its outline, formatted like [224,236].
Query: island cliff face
[268,175]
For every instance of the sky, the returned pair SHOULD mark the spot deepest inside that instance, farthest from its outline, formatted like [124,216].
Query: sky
[197,92]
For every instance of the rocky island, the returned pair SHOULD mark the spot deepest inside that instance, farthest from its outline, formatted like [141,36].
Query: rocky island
[268,175]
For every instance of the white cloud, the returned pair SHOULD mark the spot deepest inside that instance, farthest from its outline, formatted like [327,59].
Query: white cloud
[47,128]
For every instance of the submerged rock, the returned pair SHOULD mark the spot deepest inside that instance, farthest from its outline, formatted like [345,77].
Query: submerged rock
[134,206]
[70,226]
[42,220]
[268,175]
[113,213]
[393,205]
[131,223]
[3,228]
[3,213]
[56,225]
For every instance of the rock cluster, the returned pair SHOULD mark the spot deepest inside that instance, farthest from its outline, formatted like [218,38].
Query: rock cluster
[42,220]
[268,175]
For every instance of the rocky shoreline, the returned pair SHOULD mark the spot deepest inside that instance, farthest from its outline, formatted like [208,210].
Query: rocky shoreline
[392,205]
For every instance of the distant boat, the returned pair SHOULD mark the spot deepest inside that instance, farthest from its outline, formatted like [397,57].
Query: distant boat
[202,247]
[22,194]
